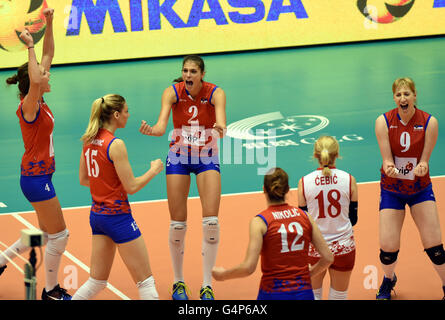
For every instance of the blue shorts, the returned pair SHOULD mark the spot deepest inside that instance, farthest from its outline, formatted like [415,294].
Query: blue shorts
[120,228]
[186,164]
[398,201]
[295,295]
[37,188]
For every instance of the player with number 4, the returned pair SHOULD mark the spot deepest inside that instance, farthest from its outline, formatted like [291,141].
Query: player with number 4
[199,119]
[330,196]
[105,169]
[406,136]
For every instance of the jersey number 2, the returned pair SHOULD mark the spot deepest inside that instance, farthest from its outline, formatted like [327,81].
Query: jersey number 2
[92,165]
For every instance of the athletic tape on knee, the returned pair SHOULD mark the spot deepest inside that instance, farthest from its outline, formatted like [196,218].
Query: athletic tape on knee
[90,289]
[388,258]
[210,229]
[177,232]
[436,254]
[57,243]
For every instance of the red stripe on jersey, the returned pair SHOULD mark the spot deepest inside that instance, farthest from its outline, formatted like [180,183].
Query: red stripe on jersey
[107,191]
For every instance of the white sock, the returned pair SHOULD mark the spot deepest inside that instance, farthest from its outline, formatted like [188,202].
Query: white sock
[53,254]
[89,289]
[17,248]
[338,295]
[318,293]
[176,244]
[147,289]
[210,241]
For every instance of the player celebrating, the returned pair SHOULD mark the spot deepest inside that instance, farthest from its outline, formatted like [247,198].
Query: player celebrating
[105,169]
[330,196]
[199,119]
[281,234]
[406,136]
[38,165]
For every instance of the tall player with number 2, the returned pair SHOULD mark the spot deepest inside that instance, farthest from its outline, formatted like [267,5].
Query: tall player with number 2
[406,136]
[281,235]
[199,119]
[105,169]
[330,196]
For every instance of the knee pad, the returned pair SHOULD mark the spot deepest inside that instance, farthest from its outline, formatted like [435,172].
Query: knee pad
[210,229]
[177,232]
[388,257]
[436,254]
[57,243]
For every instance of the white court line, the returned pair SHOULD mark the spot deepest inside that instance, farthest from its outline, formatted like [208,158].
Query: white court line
[72,258]
[196,197]
[9,259]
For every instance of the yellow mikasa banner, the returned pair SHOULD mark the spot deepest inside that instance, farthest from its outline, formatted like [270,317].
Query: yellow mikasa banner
[98,30]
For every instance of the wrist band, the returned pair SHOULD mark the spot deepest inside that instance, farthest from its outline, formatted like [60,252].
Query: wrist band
[30,47]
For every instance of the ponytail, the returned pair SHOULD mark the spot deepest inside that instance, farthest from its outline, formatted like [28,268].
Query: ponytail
[326,150]
[101,111]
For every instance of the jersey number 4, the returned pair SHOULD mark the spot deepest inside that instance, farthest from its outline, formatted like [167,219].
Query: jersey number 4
[92,165]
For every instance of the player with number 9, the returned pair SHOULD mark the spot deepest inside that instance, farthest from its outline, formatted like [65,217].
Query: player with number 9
[281,235]
[199,119]
[406,136]
[104,168]
[330,196]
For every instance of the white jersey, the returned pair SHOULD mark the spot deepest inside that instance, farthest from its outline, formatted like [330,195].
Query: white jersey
[328,199]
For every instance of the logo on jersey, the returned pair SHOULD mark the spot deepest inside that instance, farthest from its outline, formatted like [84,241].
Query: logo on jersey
[418,127]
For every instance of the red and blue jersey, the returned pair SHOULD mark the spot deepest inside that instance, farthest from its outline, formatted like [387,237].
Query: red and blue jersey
[107,191]
[407,141]
[193,120]
[284,255]
[37,135]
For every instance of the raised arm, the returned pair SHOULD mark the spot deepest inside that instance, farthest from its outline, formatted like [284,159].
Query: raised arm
[248,266]
[132,184]
[30,106]
[381,132]
[168,98]
[48,40]
[431,135]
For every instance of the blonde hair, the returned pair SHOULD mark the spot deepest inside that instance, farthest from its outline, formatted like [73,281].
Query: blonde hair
[276,184]
[101,112]
[400,82]
[326,150]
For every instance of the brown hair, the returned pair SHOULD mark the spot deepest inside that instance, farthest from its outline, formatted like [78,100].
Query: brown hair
[101,112]
[195,59]
[276,184]
[326,150]
[22,78]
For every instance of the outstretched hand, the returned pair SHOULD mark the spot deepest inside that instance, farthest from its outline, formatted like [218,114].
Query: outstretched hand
[217,273]
[27,38]
[145,128]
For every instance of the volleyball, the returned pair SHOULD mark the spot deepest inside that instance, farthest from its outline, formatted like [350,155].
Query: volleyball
[15,16]
[384,11]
